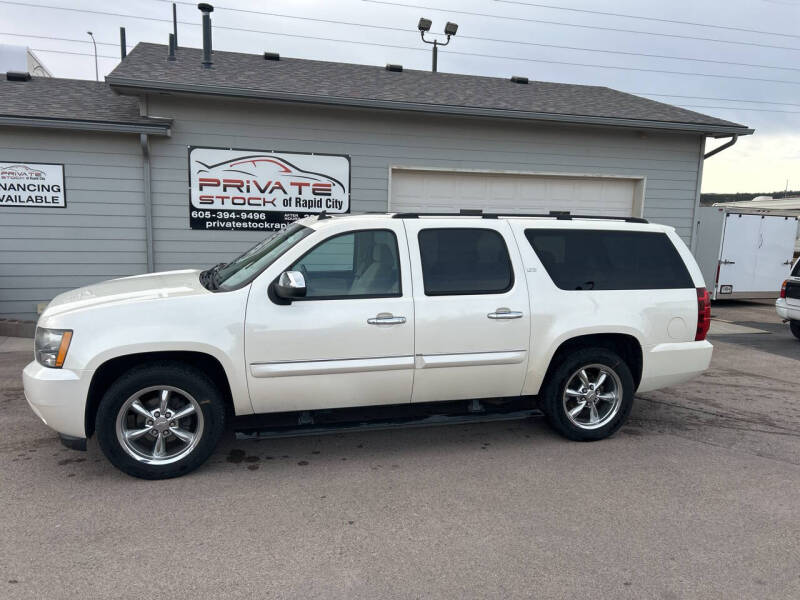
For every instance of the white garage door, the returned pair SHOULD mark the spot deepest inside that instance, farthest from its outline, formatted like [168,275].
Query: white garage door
[449,191]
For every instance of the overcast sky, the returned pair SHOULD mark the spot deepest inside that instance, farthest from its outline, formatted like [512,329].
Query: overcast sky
[765,97]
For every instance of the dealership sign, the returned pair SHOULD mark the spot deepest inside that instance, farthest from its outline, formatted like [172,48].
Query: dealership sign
[32,185]
[233,189]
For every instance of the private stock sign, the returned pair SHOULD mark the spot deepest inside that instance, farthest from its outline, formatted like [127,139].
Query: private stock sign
[232,189]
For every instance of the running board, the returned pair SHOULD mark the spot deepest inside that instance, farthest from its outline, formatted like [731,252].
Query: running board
[263,433]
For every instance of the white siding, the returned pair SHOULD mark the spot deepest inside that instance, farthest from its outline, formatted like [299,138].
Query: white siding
[99,235]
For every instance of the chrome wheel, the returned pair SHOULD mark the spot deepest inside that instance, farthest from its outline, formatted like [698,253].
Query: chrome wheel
[159,425]
[592,396]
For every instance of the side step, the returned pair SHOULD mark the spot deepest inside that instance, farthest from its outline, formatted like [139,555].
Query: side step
[430,420]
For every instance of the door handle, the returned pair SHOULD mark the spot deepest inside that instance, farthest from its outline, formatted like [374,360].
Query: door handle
[727,262]
[505,313]
[386,319]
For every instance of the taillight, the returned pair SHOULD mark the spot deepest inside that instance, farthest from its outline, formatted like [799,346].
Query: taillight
[703,314]
[783,288]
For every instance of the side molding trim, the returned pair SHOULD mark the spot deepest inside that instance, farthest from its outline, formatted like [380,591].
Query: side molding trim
[470,359]
[329,367]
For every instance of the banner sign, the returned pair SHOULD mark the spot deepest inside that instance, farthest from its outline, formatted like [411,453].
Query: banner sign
[32,185]
[232,189]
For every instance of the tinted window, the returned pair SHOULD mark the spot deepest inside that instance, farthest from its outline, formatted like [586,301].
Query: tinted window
[796,270]
[357,264]
[464,261]
[579,259]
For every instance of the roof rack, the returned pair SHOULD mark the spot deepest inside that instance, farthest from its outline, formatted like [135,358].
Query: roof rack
[559,215]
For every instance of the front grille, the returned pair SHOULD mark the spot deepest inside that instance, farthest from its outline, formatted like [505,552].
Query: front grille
[793,290]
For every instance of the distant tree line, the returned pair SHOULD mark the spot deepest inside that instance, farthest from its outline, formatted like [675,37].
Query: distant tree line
[709,199]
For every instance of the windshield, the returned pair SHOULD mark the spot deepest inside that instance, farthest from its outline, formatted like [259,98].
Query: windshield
[256,259]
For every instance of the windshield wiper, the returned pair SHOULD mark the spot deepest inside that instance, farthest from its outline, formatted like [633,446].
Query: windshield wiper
[209,278]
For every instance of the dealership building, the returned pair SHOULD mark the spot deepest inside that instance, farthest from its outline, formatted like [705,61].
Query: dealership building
[172,164]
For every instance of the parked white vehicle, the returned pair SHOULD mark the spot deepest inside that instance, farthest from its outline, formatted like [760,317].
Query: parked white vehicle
[788,305]
[576,313]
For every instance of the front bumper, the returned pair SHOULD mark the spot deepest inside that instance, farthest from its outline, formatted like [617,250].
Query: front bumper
[670,364]
[785,311]
[58,397]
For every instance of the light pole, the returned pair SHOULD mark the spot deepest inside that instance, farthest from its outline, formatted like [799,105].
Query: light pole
[96,74]
[424,26]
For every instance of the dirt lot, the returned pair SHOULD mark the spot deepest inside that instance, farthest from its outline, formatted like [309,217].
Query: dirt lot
[697,497]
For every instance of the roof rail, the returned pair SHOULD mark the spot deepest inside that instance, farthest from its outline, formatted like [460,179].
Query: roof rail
[560,215]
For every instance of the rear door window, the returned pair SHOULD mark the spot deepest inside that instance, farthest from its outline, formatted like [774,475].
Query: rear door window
[582,259]
[462,261]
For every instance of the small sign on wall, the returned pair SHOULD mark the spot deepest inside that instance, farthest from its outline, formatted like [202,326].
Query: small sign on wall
[37,185]
[232,189]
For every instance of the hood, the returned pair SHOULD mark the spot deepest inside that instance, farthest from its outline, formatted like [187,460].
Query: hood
[139,288]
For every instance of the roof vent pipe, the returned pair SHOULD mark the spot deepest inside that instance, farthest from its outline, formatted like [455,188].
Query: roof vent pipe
[18,76]
[518,79]
[171,56]
[394,68]
[206,9]
[272,56]
[175,23]
[123,46]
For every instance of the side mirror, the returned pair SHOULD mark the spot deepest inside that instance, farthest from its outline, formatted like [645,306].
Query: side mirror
[291,285]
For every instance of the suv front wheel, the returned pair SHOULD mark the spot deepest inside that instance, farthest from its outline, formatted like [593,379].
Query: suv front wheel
[160,420]
[589,395]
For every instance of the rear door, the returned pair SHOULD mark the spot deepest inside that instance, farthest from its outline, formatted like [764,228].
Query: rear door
[775,247]
[471,306]
[738,257]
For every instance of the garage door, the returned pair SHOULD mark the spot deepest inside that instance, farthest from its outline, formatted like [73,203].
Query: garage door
[449,191]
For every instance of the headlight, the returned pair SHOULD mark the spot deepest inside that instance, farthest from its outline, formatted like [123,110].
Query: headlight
[51,346]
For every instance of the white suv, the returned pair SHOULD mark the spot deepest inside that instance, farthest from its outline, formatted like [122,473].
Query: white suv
[788,305]
[575,313]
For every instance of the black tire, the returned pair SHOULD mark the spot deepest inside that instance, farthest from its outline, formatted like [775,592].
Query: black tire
[794,326]
[552,396]
[185,382]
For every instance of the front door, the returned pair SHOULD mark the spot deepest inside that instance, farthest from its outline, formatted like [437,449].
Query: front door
[472,309]
[350,341]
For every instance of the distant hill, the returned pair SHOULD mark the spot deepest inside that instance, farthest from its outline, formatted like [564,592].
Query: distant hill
[709,199]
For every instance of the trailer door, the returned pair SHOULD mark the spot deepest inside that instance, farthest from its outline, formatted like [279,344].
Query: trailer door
[775,249]
[738,257]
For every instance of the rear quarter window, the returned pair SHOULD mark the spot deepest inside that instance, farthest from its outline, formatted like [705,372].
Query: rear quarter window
[583,259]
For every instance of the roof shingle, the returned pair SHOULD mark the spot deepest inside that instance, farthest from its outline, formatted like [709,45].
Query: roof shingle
[241,74]
[69,99]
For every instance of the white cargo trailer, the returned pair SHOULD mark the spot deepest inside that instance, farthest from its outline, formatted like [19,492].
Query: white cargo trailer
[744,255]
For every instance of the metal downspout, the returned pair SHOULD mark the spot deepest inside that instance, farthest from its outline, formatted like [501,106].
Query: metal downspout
[719,149]
[144,140]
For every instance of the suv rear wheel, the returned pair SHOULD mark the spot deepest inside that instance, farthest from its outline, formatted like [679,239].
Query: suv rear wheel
[794,326]
[589,395]
[160,420]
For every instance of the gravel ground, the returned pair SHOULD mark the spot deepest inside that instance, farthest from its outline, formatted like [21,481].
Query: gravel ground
[697,497]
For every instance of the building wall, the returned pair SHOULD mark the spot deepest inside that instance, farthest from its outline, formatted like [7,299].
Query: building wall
[99,235]
[378,140]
